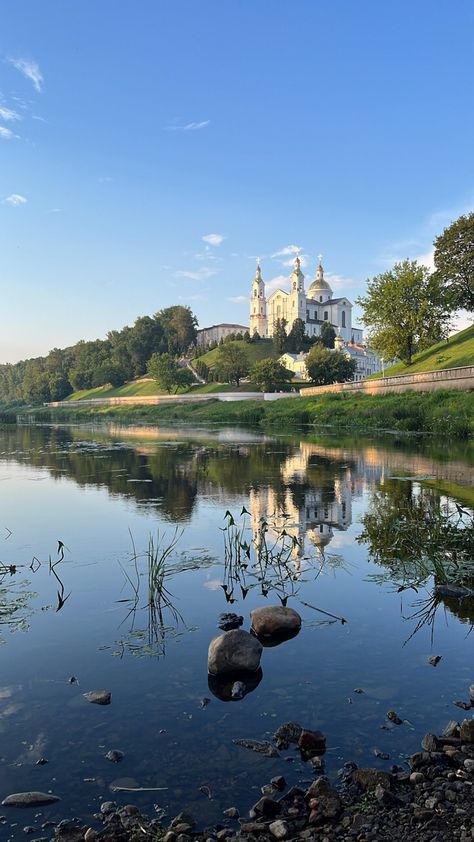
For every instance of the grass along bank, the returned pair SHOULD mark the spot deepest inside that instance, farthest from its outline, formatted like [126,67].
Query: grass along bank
[457,351]
[449,413]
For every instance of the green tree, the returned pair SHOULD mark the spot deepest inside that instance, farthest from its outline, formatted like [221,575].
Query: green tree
[179,327]
[270,375]
[279,334]
[325,366]
[184,378]
[164,369]
[297,340]
[454,262]
[327,335]
[233,362]
[404,309]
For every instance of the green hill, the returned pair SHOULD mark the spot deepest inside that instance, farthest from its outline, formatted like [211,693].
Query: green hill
[260,350]
[458,350]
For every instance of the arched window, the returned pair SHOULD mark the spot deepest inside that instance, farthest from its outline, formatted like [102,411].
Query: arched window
[320,297]
[326,315]
[343,318]
[294,284]
[255,293]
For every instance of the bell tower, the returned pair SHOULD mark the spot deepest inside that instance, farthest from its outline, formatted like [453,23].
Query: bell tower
[258,305]
[297,302]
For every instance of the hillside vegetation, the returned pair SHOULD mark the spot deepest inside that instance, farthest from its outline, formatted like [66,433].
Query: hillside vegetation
[457,351]
[261,350]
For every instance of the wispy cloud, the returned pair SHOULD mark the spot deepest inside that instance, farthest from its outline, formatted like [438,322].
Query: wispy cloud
[193,298]
[287,250]
[278,282]
[5,133]
[29,69]
[304,261]
[196,275]
[15,199]
[188,127]
[8,114]
[238,299]
[213,239]
[339,282]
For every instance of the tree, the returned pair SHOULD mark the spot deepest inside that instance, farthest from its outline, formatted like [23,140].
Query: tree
[270,375]
[233,362]
[279,334]
[454,262]
[325,366]
[179,327]
[297,340]
[328,335]
[184,378]
[404,309]
[164,369]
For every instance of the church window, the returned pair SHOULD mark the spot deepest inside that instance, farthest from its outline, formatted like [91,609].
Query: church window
[255,293]
[294,284]
[320,297]
[343,318]
[307,315]
[261,310]
[254,310]
[326,315]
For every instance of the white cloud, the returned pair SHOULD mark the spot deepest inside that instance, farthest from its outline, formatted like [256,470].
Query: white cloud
[304,260]
[188,127]
[287,250]
[339,282]
[427,260]
[6,134]
[8,114]
[15,199]
[238,299]
[196,275]
[29,69]
[278,282]
[213,239]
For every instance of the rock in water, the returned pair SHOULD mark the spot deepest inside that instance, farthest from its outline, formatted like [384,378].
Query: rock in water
[274,620]
[98,697]
[230,621]
[114,755]
[471,692]
[238,690]
[311,743]
[29,799]
[260,746]
[234,650]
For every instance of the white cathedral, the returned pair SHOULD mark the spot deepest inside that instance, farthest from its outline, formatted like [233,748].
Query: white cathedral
[313,307]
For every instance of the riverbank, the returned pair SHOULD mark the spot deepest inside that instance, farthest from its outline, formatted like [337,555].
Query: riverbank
[427,800]
[449,413]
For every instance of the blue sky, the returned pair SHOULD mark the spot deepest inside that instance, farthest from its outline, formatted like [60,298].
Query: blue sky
[130,132]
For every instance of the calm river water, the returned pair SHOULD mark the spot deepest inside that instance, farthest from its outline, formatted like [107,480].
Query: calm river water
[104,491]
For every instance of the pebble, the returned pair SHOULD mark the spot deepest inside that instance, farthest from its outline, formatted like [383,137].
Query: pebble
[279,829]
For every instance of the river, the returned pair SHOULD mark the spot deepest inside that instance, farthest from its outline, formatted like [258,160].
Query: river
[78,613]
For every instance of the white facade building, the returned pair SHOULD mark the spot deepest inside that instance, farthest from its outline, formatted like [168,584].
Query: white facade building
[313,307]
[367,361]
[215,333]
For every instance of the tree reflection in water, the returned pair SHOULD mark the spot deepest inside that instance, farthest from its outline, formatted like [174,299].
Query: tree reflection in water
[422,539]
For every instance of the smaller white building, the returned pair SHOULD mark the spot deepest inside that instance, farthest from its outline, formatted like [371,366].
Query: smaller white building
[215,333]
[367,361]
[295,363]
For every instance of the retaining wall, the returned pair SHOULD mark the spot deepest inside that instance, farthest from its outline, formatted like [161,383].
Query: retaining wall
[423,381]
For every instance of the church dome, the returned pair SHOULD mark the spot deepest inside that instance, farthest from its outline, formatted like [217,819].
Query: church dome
[319,285]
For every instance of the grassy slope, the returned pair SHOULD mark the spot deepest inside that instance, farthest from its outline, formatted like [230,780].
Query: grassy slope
[441,412]
[458,351]
[256,351]
[150,387]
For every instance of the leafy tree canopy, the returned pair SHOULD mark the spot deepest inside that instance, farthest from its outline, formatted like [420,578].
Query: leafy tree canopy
[233,362]
[454,262]
[327,335]
[270,375]
[165,370]
[279,334]
[405,310]
[325,366]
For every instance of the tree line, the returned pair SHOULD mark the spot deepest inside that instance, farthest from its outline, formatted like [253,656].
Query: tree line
[122,356]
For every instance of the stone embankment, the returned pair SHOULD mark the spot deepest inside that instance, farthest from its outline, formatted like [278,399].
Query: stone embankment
[423,381]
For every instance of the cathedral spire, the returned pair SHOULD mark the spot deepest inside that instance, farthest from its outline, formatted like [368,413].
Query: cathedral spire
[258,271]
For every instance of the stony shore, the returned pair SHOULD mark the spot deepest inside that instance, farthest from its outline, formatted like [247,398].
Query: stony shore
[431,800]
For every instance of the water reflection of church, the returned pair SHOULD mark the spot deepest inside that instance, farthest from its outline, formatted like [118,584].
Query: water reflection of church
[314,501]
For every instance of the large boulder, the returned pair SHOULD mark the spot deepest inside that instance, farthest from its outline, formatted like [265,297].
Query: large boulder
[235,650]
[275,620]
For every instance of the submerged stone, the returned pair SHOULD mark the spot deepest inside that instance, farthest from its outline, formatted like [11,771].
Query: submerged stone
[273,620]
[29,799]
[98,697]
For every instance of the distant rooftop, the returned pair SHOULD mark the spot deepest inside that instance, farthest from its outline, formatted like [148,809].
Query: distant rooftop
[224,324]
